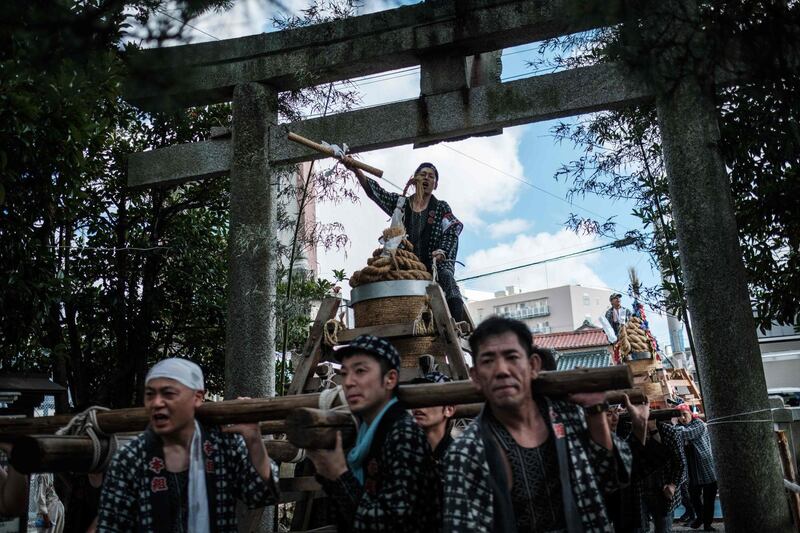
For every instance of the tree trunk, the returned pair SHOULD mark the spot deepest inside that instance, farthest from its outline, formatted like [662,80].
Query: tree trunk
[748,469]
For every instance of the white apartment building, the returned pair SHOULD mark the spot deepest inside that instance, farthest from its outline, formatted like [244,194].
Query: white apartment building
[780,352]
[551,310]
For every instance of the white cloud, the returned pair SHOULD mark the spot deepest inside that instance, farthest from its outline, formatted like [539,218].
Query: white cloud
[528,249]
[463,184]
[507,227]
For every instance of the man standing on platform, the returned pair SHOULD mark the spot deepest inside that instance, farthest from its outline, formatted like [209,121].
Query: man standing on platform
[616,314]
[529,463]
[430,225]
[387,481]
[181,476]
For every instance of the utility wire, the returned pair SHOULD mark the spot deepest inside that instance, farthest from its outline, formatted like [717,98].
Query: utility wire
[186,23]
[621,243]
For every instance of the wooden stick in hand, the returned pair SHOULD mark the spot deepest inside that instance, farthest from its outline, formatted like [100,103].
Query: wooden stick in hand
[328,151]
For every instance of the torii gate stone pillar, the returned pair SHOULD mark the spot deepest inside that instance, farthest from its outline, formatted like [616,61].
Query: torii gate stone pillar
[252,267]
[728,357]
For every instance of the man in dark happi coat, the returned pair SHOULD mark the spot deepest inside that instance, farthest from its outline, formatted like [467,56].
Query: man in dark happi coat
[529,463]
[430,224]
[181,476]
[387,481]
[435,421]
[702,477]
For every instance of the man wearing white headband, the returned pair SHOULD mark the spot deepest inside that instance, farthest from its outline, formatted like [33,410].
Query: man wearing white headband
[181,476]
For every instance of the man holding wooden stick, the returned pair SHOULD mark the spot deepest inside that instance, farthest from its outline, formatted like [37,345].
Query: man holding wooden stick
[430,225]
[388,481]
[529,463]
[180,476]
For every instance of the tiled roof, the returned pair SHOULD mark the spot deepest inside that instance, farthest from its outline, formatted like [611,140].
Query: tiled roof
[592,359]
[582,338]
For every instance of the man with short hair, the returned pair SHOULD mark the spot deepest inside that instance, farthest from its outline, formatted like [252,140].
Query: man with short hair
[435,421]
[616,314]
[430,225]
[179,475]
[529,463]
[387,481]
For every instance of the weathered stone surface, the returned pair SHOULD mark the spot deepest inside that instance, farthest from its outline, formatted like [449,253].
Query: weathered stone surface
[179,163]
[250,332]
[427,120]
[206,73]
[730,366]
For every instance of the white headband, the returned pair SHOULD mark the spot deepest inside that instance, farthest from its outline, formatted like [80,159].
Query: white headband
[181,370]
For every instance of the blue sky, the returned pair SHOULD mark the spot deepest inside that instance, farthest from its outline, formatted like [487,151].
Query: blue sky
[507,222]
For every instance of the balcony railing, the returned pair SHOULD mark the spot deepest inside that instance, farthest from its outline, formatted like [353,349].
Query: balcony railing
[543,329]
[526,312]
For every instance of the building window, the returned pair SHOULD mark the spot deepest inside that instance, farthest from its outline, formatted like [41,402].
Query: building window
[586,299]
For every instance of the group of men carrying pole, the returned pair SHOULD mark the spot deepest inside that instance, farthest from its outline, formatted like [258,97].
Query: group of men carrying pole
[526,463]
[529,461]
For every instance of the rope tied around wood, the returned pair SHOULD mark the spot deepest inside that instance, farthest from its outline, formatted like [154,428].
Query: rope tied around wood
[423,324]
[85,423]
[328,396]
[331,331]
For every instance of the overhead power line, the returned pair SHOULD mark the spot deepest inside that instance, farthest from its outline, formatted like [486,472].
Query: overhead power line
[621,243]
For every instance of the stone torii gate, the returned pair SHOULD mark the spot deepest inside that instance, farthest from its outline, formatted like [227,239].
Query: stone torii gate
[454,42]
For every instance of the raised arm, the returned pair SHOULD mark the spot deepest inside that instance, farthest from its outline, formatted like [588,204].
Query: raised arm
[386,200]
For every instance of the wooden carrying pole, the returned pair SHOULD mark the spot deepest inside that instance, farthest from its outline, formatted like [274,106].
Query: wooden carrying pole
[329,151]
[72,453]
[315,428]
[657,414]
[257,410]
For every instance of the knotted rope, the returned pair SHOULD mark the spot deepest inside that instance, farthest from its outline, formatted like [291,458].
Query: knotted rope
[85,423]
[327,397]
[423,324]
[396,264]
[331,331]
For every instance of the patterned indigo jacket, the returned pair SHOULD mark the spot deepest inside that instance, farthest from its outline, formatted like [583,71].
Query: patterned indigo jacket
[441,231]
[655,464]
[699,457]
[476,493]
[401,490]
[134,495]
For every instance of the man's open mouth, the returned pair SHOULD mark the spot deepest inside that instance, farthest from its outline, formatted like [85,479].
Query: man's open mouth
[160,417]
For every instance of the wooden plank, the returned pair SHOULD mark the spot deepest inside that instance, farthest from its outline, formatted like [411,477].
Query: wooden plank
[444,325]
[313,348]
[789,472]
[389,331]
[678,383]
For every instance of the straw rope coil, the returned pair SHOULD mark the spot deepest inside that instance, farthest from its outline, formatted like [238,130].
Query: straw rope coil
[391,265]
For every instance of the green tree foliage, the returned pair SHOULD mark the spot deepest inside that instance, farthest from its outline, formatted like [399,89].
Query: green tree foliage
[753,42]
[99,281]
